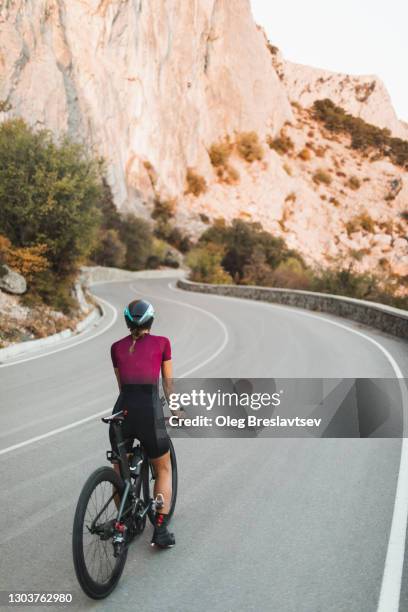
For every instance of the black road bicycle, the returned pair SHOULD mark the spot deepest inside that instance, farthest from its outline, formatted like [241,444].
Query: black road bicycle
[112,511]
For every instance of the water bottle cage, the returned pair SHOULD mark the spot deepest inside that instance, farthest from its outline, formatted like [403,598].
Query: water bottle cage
[112,456]
[136,462]
[135,469]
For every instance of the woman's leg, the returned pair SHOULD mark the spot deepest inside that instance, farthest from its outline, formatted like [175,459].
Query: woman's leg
[162,485]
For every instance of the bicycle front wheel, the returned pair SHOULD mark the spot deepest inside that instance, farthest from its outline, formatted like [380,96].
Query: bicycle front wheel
[97,569]
[148,483]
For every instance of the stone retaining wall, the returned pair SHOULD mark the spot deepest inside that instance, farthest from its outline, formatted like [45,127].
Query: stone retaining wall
[385,318]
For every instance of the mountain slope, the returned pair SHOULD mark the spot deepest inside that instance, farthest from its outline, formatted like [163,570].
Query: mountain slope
[152,87]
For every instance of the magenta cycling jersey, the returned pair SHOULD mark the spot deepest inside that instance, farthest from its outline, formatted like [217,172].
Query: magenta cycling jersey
[144,364]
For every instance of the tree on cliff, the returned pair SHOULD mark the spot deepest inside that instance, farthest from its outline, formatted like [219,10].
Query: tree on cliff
[48,194]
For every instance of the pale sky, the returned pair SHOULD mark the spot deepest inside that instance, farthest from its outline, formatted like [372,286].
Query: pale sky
[351,36]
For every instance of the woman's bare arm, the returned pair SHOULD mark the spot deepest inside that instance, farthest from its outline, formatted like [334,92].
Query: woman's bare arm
[116,370]
[167,378]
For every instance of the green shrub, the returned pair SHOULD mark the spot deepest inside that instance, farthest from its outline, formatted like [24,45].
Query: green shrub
[161,255]
[205,265]
[257,271]
[163,210]
[249,147]
[48,194]
[239,242]
[108,213]
[364,136]
[110,250]
[124,241]
[250,255]
[179,240]
[345,281]
[292,274]
[136,235]
[47,287]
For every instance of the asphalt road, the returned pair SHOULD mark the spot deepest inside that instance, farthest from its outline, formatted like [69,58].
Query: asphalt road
[292,525]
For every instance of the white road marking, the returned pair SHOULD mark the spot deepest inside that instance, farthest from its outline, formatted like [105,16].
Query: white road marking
[394,562]
[53,432]
[71,344]
[208,314]
[393,568]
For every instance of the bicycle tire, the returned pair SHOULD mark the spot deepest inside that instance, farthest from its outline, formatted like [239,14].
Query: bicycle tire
[93,589]
[174,476]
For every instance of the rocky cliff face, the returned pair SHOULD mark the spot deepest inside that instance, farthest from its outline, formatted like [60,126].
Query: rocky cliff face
[140,81]
[362,96]
[151,86]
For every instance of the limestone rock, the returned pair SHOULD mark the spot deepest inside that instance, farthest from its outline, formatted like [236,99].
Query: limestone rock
[12,281]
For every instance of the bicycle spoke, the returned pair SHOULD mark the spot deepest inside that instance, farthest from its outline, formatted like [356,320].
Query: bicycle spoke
[98,557]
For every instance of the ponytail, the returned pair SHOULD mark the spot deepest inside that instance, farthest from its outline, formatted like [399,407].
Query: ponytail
[138,332]
[135,333]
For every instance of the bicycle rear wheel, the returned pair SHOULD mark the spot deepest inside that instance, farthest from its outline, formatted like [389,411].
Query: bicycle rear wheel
[97,570]
[148,483]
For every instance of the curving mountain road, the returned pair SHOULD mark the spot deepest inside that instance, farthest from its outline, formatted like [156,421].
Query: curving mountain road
[292,525]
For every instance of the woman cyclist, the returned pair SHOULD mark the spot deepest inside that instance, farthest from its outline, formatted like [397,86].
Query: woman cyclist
[138,360]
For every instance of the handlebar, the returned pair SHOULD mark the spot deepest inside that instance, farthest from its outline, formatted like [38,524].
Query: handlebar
[117,417]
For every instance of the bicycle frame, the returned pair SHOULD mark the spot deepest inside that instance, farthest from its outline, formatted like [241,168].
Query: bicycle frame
[124,468]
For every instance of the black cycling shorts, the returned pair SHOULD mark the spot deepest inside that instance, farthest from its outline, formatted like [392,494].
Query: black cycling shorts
[144,420]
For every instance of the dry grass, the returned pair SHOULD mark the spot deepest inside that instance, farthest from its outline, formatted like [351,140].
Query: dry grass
[39,323]
[305,154]
[249,147]
[320,152]
[195,183]
[282,145]
[359,254]
[362,222]
[227,174]
[322,177]
[220,153]
[354,183]
[334,201]
[291,197]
